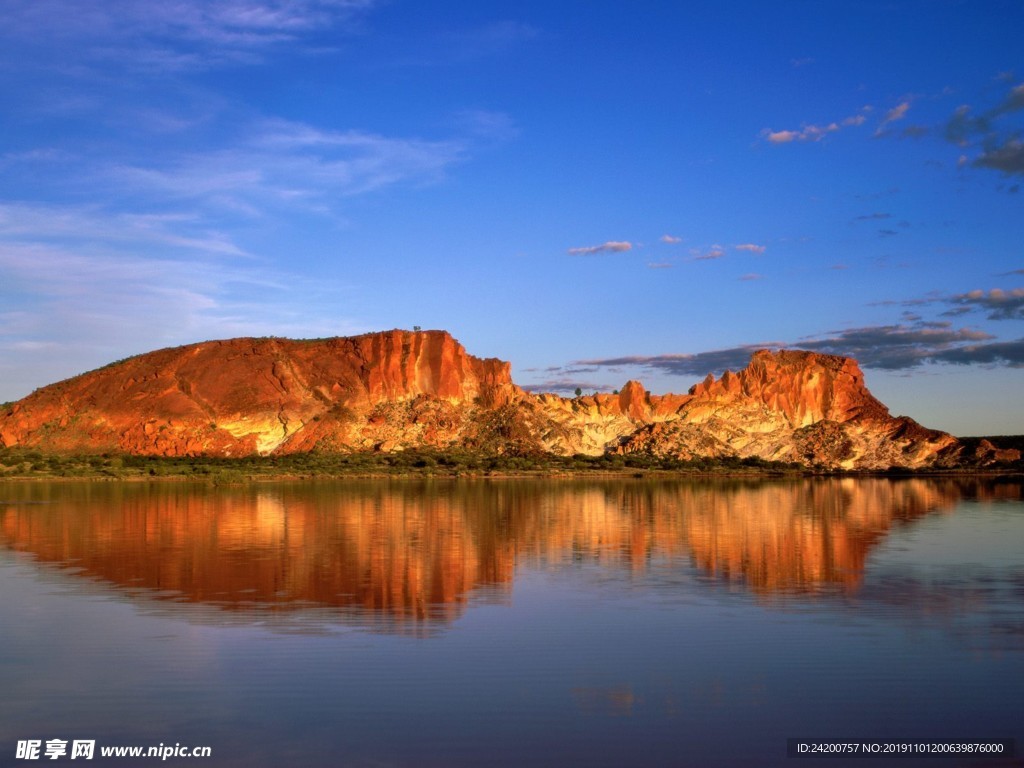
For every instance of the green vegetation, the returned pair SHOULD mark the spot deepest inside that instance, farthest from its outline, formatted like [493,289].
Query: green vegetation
[22,463]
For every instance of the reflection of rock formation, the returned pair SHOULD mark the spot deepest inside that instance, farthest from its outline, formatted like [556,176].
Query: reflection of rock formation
[408,557]
[807,534]
[412,552]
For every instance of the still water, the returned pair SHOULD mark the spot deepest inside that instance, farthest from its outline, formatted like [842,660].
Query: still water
[511,623]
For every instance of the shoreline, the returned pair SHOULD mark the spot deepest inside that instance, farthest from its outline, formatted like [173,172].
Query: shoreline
[27,465]
[240,478]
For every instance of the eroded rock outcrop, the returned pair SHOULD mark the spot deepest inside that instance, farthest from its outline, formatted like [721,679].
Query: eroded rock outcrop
[244,396]
[400,389]
[797,406]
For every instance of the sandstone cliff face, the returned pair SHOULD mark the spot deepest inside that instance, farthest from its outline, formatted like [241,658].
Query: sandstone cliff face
[399,389]
[794,406]
[243,396]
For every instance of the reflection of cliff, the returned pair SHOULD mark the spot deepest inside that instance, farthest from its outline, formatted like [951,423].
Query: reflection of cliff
[804,535]
[410,558]
[415,551]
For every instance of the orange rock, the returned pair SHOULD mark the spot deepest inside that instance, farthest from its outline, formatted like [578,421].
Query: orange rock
[400,389]
[633,401]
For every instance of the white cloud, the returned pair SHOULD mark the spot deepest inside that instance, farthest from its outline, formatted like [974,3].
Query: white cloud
[612,246]
[813,132]
[751,248]
[156,35]
[896,113]
[287,163]
[781,137]
[51,223]
[671,240]
[714,252]
[806,133]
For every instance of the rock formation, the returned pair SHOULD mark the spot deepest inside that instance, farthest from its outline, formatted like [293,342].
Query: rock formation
[399,389]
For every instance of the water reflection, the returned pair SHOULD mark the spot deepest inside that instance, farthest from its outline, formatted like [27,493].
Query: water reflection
[409,554]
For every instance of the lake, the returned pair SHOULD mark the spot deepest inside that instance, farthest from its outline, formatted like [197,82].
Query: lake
[511,622]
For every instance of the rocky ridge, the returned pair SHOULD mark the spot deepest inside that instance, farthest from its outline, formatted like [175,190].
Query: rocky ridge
[398,389]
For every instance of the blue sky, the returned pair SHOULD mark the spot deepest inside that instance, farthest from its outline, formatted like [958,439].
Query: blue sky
[596,191]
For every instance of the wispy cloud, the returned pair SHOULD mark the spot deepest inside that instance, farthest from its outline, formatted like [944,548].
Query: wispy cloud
[670,239]
[162,36]
[998,147]
[806,133]
[1000,304]
[292,164]
[818,131]
[751,277]
[699,364]
[52,224]
[814,132]
[612,246]
[751,248]
[1009,353]
[893,115]
[894,347]
[712,253]
[899,346]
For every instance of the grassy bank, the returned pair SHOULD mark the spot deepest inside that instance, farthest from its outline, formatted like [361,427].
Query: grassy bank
[28,464]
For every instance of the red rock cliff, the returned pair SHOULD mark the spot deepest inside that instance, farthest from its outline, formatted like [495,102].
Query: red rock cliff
[805,387]
[399,389]
[244,395]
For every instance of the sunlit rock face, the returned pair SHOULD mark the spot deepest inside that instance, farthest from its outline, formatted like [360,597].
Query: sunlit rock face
[399,389]
[245,396]
[794,406]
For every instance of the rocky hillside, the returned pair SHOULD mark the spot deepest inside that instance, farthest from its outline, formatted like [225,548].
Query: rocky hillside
[399,389]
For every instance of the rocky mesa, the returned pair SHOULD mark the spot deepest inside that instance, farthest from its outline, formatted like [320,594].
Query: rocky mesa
[396,390]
